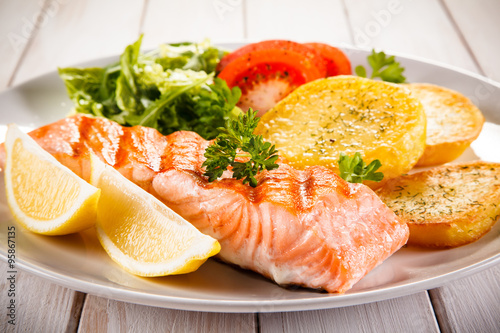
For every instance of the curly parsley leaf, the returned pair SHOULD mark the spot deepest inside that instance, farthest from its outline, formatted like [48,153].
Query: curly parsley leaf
[238,141]
[384,67]
[354,169]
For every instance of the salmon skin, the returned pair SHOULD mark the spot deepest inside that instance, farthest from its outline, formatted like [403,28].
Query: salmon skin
[302,227]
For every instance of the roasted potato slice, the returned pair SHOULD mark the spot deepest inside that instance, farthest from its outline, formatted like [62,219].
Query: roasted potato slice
[453,122]
[446,206]
[348,114]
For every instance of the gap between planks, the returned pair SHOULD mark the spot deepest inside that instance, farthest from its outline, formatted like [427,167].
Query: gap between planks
[461,36]
[30,38]
[143,16]
[107,315]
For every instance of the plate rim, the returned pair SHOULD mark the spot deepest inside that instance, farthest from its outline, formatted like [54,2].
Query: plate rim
[343,46]
[250,306]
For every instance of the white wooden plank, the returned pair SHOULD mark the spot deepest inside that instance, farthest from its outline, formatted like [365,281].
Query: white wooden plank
[312,20]
[420,28]
[18,20]
[478,22]
[40,306]
[405,314]
[81,30]
[103,315]
[471,304]
[193,20]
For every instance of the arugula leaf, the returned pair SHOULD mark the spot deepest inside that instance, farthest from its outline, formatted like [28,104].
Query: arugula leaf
[198,57]
[91,89]
[384,67]
[128,96]
[171,88]
[238,140]
[82,86]
[190,104]
[151,115]
[354,170]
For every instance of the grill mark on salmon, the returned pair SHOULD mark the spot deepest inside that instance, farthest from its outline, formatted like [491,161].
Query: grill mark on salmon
[305,227]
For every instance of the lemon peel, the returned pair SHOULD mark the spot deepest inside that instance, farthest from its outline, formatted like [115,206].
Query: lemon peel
[140,233]
[43,195]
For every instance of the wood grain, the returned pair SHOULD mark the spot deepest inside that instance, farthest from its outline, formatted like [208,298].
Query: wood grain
[18,28]
[41,306]
[405,314]
[81,30]
[193,20]
[103,315]
[312,20]
[471,304]
[419,28]
[480,37]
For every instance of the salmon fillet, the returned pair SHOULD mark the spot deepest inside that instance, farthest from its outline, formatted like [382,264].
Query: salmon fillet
[303,227]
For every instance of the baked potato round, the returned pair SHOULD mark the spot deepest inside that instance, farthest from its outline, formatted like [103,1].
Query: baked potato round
[446,206]
[453,122]
[348,114]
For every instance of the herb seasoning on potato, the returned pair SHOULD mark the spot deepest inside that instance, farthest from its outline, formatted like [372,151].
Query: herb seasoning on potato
[348,114]
[453,122]
[446,206]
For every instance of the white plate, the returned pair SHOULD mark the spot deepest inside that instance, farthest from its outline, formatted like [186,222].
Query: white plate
[78,262]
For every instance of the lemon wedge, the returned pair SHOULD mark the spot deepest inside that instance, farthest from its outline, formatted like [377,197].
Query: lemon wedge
[43,195]
[140,233]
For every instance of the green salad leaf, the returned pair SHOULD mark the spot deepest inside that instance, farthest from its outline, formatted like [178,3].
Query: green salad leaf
[354,169]
[128,96]
[197,57]
[171,88]
[92,89]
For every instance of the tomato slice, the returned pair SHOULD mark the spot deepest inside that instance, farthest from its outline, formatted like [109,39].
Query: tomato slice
[314,55]
[267,76]
[337,63]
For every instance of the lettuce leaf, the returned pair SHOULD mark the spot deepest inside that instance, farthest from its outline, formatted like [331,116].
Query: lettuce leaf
[92,89]
[170,89]
[197,57]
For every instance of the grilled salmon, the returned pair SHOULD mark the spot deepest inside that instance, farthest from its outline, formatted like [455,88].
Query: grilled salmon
[303,227]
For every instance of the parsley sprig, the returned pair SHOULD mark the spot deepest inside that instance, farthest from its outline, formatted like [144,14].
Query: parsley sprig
[354,169]
[238,140]
[384,67]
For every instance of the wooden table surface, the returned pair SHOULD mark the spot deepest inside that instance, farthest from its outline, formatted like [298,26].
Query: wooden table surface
[40,35]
